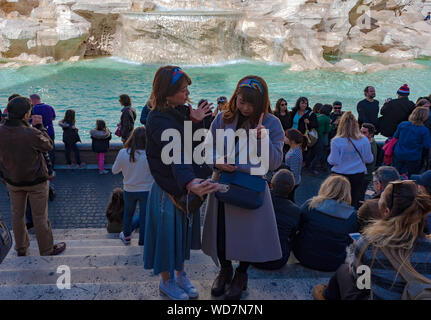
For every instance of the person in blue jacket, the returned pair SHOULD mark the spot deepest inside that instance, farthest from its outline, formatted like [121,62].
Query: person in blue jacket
[325,224]
[145,111]
[412,137]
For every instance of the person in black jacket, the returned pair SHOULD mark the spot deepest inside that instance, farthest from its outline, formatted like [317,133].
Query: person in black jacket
[368,109]
[128,117]
[302,117]
[100,138]
[324,227]
[283,114]
[287,215]
[170,233]
[395,111]
[70,138]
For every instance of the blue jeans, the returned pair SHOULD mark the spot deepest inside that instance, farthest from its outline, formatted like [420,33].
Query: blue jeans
[130,201]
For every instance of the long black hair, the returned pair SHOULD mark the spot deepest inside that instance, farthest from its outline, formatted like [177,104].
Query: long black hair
[100,125]
[69,117]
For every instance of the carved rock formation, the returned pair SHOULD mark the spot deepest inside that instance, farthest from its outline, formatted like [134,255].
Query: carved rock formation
[299,32]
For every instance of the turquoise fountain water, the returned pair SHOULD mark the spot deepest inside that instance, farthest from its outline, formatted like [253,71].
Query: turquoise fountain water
[92,87]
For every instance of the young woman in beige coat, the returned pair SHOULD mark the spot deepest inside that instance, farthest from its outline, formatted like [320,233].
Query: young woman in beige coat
[231,232]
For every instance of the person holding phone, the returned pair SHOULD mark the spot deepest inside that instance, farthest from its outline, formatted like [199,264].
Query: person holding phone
[391,247]
[26,175]
[226,233]
[171,233]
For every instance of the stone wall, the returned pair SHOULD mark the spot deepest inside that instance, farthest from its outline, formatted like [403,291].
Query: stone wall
[86,154]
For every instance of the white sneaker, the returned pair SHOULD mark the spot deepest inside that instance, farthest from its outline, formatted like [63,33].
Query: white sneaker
[125,240]
[171,289]
[184,283]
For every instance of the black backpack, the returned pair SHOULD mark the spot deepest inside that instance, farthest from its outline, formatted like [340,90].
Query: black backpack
[5,241]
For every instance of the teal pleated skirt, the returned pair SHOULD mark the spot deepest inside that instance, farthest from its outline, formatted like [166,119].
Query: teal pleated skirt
[169,234]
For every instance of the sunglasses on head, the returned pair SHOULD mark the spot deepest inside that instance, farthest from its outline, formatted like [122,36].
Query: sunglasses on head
[395,185]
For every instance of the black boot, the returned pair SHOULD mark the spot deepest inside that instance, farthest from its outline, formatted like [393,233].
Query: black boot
[239,284]
[224,277]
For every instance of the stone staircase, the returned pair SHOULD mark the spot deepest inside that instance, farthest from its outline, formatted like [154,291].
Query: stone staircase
[103,268]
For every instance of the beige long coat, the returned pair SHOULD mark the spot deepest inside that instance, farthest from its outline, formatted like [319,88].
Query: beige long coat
[251,235]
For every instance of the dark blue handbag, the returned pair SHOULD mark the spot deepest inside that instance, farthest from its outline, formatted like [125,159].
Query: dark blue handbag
[245,191]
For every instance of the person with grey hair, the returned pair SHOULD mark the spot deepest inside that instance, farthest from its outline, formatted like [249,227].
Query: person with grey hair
[370,209]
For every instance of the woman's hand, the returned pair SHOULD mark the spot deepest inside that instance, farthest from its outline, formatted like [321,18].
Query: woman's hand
[224,166]
[260,129]
[203,110]
[306,121]
[200,187]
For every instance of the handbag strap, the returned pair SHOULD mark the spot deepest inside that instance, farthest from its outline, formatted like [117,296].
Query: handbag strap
[356,149]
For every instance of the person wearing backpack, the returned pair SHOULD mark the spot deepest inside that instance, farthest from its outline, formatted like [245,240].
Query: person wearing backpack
[394,248]
[128,117]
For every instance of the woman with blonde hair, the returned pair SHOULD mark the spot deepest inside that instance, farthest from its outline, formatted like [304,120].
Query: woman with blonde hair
[391,247]
[412,137]
[350,152]
[326,221]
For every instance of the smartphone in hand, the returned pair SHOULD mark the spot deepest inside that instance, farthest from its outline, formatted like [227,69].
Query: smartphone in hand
[221,187]
[355,236]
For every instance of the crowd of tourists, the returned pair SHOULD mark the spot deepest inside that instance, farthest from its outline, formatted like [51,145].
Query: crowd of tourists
[256,220]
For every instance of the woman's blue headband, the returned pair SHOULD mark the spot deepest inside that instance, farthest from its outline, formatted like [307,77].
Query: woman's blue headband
[252,83]
[176,75]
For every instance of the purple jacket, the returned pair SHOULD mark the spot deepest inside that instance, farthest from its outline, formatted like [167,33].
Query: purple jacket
[48,115]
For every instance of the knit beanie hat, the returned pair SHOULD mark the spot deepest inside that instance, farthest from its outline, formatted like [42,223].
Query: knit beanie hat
[404,90]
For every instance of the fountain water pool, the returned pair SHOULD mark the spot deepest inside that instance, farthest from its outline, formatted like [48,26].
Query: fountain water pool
[92,87]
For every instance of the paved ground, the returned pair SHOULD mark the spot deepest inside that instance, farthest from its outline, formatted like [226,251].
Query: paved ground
[82,197]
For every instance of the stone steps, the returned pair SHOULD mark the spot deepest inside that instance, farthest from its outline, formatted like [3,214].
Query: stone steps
[102,267]
[259,289]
